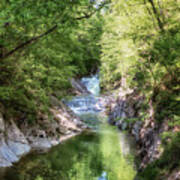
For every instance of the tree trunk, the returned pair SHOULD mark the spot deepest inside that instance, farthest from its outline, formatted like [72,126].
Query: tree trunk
[151,15]
[160,24]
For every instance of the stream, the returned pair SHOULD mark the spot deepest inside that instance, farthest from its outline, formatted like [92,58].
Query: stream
[104,153]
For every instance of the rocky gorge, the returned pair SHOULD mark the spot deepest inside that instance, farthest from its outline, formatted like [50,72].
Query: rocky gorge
[95,149]
[123,108]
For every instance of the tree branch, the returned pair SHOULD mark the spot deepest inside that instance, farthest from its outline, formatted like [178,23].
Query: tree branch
[160,24]
[28,42]
[53,28]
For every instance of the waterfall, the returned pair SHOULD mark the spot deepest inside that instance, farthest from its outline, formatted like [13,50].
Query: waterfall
[89,103]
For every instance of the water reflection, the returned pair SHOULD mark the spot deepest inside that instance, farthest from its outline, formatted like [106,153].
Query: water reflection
[90,156]
[99,155]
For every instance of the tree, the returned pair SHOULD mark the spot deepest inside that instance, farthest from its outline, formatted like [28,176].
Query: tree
[42,45]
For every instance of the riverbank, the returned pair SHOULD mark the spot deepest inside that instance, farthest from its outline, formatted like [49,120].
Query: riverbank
[90,155]
[18,137]
[129,110]
[16,141]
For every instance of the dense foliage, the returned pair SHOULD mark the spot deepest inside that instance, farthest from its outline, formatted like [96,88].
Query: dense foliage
[42,45]
[141,44]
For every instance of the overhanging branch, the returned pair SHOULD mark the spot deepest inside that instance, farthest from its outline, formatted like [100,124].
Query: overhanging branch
[53,28]
[28,42]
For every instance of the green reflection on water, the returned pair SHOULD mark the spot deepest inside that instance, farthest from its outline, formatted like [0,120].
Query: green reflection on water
[83,157]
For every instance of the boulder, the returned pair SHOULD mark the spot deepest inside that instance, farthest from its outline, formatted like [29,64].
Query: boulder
[16,140]
[7,156]
[37,138]
[6,153]
[40,144]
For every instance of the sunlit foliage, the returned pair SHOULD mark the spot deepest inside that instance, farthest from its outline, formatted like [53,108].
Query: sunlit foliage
[141,44]
[43,44]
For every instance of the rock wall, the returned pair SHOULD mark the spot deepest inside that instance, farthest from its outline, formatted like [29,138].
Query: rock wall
[18,140]
[124,111]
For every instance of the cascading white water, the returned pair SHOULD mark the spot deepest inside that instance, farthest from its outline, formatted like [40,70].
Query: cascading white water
[89,103]
[89,108]
[92,84]
[86,104]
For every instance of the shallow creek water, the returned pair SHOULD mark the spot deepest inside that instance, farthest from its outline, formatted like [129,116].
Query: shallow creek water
[101,154]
